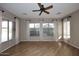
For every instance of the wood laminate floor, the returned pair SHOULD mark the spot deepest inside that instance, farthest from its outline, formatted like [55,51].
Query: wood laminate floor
[42,49]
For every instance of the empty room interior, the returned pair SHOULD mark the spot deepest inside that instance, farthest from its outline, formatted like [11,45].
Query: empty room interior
[39,29]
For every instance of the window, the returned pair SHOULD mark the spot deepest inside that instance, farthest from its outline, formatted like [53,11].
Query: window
[34,29]
[6,31]
[66,29]
[10,30]
[48,29]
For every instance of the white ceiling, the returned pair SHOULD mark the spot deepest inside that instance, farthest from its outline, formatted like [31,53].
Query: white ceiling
[19,9]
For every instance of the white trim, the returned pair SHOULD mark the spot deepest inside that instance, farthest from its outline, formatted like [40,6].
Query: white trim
[9,47]
[6,48]
[72,44]
[37,41]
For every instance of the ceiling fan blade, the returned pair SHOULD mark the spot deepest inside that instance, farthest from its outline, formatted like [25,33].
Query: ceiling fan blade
[35,10]
[46,12]
[39,4]
[40,13]
[49,7]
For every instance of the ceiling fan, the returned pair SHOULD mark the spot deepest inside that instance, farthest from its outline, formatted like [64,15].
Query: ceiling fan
[43,9]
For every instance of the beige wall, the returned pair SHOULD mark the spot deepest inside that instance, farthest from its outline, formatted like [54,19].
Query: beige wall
[74,29]
[59,29]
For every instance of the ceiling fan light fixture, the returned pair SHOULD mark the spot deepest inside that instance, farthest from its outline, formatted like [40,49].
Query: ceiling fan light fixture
[43,9]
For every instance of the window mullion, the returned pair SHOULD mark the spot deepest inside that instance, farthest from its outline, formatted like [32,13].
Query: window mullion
[48,28]
[8,30]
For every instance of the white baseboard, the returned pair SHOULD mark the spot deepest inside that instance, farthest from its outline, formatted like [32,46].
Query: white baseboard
[72,44]
[38,41]
[7,48]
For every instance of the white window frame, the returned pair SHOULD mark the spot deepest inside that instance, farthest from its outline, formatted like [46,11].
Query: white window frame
[34,28]
[48,27]
[8,31]
[66,29]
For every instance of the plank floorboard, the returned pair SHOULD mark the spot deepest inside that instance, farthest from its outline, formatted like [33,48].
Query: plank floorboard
[42,49]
